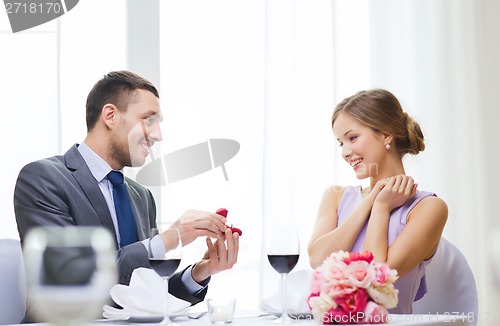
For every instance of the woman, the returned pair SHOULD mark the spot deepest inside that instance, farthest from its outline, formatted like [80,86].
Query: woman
[399,224]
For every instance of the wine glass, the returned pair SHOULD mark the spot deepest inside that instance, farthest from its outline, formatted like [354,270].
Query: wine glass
[283,251]
[167,264]
[69,272]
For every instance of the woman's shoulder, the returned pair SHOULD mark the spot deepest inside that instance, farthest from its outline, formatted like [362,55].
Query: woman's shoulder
[336,192]
[430,198]
[432,205]
[434,202]
[334,189]
[332,194]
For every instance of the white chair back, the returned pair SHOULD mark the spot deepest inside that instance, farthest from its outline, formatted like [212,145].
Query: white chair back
[12,282]
[451,286]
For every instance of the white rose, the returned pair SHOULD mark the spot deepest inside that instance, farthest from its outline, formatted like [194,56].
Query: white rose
[385,295]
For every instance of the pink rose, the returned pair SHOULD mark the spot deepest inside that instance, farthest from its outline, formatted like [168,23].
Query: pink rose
[334,270]
[383,274]
[357,256]
[353,302]
[352,288]
[360,273]
[375,314]
[336,289]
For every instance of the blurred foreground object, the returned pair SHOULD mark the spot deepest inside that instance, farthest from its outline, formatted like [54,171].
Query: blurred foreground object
[69,272]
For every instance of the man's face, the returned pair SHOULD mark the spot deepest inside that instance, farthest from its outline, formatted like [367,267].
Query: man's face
[137,130]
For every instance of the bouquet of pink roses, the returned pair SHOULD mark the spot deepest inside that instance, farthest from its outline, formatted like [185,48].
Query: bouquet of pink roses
[351,288]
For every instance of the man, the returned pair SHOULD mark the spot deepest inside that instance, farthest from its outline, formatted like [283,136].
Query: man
[123,116]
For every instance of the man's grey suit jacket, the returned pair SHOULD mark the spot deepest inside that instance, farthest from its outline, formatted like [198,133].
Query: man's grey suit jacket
[61,191]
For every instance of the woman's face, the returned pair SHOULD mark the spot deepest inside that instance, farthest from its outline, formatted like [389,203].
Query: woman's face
[362,147]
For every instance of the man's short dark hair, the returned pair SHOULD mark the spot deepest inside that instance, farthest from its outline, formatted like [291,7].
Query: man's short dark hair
[117,88]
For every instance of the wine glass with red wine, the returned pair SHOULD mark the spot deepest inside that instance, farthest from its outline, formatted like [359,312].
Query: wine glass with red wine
[167,264]
[283,251]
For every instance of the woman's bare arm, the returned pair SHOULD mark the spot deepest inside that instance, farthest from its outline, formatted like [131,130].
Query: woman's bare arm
[327,237]
[418,240]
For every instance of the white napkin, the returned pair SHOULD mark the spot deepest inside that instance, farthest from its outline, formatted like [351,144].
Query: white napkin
[297,291]
[145,296]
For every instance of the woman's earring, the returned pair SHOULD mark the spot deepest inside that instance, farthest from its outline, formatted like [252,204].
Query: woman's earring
[388,146]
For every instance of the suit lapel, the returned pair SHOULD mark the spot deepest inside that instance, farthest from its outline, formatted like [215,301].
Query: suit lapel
[81,172]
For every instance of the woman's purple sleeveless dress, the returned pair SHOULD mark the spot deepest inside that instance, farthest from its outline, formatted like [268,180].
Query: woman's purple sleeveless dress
[412,286]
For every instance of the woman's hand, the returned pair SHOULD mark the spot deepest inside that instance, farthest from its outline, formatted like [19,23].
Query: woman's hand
[377,188]
[393,192]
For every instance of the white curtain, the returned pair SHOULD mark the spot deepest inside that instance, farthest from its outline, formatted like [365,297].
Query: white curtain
[298,146]
[29,127]
[212,73]
[45,75]
[439,58]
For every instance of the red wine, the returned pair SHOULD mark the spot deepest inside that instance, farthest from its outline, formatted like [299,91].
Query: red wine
[283,263]
[164,267]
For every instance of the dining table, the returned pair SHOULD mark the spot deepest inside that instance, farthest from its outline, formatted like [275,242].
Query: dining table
[261,318]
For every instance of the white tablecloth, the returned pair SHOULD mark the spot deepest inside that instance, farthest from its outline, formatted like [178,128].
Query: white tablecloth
[251,318]
[257,318]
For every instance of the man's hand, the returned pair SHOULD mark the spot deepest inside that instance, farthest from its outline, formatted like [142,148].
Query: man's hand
[194,223]
[221,255]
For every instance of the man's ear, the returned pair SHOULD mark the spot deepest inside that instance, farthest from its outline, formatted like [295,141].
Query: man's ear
[109,115]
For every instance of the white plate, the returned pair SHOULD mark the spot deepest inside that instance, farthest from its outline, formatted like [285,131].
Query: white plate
[112,313]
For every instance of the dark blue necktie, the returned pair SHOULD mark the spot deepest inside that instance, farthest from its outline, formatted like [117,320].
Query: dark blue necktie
[126,221]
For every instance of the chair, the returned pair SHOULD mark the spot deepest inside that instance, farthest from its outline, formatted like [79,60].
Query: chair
[451,287]
[12,282]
